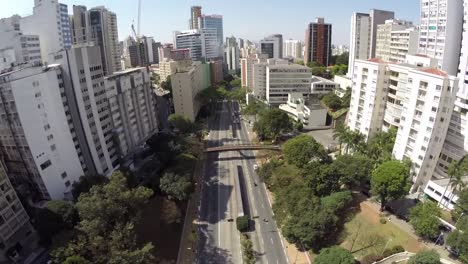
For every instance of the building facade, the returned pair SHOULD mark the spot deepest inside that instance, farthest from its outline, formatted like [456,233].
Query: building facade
[292,48]
[247,75]
[284,79]
[186,84]
[272,46]
[318,42]
[441,29]
[395,39]
[195,14]
[231,55]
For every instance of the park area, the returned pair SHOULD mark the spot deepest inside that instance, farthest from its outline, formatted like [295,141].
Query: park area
[365,234]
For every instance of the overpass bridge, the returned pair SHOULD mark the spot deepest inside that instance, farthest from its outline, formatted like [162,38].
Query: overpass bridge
[242,147]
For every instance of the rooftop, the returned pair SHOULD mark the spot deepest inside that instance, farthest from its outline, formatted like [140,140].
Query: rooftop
[434,71]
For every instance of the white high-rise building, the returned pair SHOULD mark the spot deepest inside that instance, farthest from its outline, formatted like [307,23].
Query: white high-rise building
[363,35]
[193,40]
[282,79]
[48,22]
[36,135]
[414,97]
[441,31]
[247,63]
[292,48]
[259,75]
[394,41]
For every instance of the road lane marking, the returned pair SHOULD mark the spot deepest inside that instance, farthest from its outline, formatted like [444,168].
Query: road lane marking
[271,240]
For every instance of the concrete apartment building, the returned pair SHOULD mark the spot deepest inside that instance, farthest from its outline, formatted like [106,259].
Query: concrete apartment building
[292,49]
[49,23]
[195,14]
[98,25]
[15,228]
[247,75]
[396,39]
[132,105]
[37,143]
[441,29]
[186,84]
[363,35]
[203,43]
[283,79]
[318,42]
[414,97]
[272,46]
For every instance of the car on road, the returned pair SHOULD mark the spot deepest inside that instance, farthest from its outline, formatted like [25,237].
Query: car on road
[255,167]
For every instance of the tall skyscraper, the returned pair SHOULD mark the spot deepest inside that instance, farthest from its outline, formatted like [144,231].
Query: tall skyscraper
[203,43]
[98,25]
[318,45]
[272,46]
[195,13]
[213,21]
[292,48]
[441,31]
[363,35]
[66,28]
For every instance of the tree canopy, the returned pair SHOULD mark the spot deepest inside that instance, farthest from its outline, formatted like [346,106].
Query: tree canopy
[425,257]
[425,219]
[389,181]
[334,255]
[85,183]
[272,123]
[302,149]
[458,239]
[181,123]
[354,170]
[321,178]
[176,186]
[332,101]
[106,230]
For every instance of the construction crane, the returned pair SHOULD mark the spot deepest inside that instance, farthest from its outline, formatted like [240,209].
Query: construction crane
[137,33]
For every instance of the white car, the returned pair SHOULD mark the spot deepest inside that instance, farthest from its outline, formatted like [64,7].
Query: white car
[255,167]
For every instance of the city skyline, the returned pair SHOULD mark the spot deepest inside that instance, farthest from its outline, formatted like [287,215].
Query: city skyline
[176,16]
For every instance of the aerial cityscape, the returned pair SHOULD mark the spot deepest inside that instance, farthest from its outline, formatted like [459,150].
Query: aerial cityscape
[211,142]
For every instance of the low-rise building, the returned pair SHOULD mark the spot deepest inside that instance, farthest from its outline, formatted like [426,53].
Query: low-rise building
[321,85]
[307,111]
[259,76]
[344,83]
[441,191]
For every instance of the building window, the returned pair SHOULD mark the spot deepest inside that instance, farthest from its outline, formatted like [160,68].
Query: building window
[46,127]
[46,164]
[67,183]
[64,175]
[50,137]
[53,147]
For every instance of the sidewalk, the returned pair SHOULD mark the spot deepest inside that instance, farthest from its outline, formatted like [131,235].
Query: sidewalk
[188,241]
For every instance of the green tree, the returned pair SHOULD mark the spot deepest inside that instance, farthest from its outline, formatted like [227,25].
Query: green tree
[461,207]
[343,135]
[106,231]
[458,239]
[337,202]
[380,147]
[247,250]
[167,84]
[181,122]
[254,109]
[237,94]
[242,223]
[176,186]
[321,178]
[302,149]
[425,219]
[425,257]
[354,170]
[266,171]
[389,181]
[332,101]
[335,255]
[76,260]
[272,123]
[85,183]
[236,83]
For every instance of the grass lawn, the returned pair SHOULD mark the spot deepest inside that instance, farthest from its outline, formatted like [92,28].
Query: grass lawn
[364,234]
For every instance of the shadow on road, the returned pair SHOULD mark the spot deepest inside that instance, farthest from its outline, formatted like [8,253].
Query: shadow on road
[207,252]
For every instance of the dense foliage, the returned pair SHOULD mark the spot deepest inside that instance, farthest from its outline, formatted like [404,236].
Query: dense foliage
[176,186]
[272,123]
[425,257]
[425,219]
[389,181]
[302,149]
[334,255]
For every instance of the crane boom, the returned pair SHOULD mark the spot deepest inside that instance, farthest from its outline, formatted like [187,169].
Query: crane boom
[139,18]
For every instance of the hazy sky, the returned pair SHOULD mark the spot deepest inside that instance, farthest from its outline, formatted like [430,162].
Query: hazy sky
[250,19]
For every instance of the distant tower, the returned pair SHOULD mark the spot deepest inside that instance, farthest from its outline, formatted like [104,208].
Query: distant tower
[195,12]
[318,42]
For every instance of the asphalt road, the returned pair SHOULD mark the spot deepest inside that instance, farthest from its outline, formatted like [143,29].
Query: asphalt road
[219,240]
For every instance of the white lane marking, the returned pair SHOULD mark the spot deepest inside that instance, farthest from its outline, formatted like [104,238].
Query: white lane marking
[271,240]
